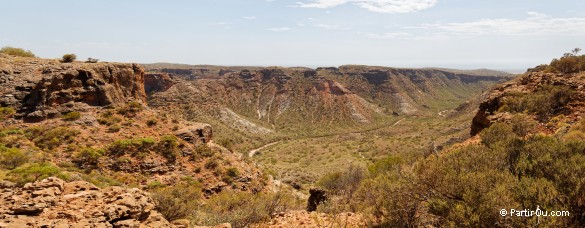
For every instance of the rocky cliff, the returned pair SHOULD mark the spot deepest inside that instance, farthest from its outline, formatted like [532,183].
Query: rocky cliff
[280,98]
[41,88]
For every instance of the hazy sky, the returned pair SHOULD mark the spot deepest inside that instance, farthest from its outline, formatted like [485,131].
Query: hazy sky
[500,34]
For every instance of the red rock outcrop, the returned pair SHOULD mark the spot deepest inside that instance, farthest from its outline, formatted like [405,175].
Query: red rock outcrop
[41,88]
[530,83]
[54,203]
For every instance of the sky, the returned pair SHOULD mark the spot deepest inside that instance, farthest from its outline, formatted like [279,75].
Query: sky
[464,34]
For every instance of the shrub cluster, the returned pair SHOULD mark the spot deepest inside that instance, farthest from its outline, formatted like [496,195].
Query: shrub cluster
[50,138]
[17,52]
[134,147]
[511,168]
[546,102]
[241,209]
[179,201]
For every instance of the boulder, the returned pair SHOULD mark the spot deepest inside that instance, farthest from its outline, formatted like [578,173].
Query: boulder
[196,134]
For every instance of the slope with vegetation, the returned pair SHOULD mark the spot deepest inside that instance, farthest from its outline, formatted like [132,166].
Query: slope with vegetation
[528,153]
[90,122]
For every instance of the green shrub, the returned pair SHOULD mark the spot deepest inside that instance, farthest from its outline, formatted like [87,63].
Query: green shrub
[72,116]
[546,102]
[568,64]
[92,60]
[17,52]
[88,158]
[67,58]
[50,138]
[11,158]
[6,112]
[168,147]
[151,122]
[131,146]
[33,172]
[497,133]
[202,151]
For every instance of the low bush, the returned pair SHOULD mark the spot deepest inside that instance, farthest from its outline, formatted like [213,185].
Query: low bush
[168,147]
[68,58]
[151,122]
[72,116]
[180,201]
[33,172]
[50,138]
[131,109]
[11,158]
[202,151]
[546,102]
[131,146]
[88,158]
[17,52]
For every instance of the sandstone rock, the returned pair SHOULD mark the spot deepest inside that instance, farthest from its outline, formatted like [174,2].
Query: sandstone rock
[182,223]
[40,88]
[54,203]
[157,82]
[196,134]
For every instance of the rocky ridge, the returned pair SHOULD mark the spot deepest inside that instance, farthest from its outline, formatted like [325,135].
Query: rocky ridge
[355,94]
[530,83]
[40,88]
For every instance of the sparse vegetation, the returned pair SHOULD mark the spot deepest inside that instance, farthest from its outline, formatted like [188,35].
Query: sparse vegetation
[131,109]
[17,52]
[241,209]
[202,151]
[180,201]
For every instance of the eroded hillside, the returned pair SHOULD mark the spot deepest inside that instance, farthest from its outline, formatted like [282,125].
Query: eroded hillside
[90,122]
